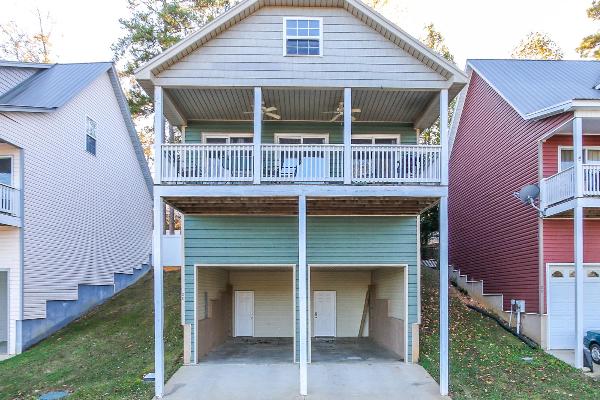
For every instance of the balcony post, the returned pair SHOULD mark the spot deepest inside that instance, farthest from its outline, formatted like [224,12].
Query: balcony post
[159,133]
[257,140]
[159,354]
[347,136]
[303,295]
[444,342]
[444,156]
[578,239]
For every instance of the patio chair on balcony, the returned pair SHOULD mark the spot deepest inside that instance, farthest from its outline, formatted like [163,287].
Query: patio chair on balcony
[289,167]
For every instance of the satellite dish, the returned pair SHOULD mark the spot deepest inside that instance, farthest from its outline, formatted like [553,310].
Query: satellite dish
[528,194]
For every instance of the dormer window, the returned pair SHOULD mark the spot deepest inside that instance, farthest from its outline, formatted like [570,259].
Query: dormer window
[302,37]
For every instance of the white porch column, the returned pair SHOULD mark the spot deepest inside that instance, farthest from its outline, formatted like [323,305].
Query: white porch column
[159,359]
[303,295]
[444,135]
[347,136]
[257,134]
[444,342]
[578,239]
[159,133]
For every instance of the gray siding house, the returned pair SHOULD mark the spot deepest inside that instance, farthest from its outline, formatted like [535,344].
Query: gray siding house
[75,196]
[300,179]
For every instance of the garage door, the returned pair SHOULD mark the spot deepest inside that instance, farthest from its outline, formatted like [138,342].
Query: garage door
[561,304]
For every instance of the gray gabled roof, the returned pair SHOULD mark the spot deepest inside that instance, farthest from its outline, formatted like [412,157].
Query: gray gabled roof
[51,88]
[537,88]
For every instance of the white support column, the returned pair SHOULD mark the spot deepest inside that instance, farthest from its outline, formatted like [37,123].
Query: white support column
[159,133]
[303,295]
[347,136]
[578,239]
[444,343]
[257,134]
[159,356]
[444,135]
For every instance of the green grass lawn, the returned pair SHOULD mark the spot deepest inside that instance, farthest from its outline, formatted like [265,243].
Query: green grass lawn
[486,362]
[104,354]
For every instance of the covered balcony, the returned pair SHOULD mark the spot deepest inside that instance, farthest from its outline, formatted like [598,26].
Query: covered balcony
[568,178]
[300,136]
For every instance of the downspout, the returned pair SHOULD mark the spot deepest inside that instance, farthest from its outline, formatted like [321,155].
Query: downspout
[19,324]
[541,268]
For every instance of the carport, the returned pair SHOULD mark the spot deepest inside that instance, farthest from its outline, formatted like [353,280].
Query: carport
[249,313]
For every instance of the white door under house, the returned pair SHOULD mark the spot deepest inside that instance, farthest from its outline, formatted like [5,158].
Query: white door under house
[561,304]
[324,313]
[244,313]
[3,312]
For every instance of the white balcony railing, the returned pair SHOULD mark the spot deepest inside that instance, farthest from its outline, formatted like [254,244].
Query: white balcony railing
[9,200]
[591,180]
[207,162]
[558,187]
[391,163]
[302,163]
[561,187]
[198,163]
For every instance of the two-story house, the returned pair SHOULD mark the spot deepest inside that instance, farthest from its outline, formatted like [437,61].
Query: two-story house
[526,122]
[75,196]
[300,180]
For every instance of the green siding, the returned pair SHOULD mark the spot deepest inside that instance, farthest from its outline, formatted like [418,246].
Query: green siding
[335,130]
[274,240]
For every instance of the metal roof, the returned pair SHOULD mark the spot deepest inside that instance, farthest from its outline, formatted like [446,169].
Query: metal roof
[51,88]
[532,87]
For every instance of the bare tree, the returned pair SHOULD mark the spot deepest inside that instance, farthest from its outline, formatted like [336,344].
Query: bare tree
[17,44]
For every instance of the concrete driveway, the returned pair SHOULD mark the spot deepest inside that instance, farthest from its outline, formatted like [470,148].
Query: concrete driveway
[327,381]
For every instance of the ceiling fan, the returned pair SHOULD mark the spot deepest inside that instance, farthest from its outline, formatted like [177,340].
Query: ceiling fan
[339,112]
[268,111]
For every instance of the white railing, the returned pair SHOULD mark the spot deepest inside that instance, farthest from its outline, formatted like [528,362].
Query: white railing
[558,187]
[9,200]
[302,162]
[591,179]
[198,163]
[393,163]
[207,162]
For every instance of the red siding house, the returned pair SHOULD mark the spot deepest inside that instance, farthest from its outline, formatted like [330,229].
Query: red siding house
[518,123]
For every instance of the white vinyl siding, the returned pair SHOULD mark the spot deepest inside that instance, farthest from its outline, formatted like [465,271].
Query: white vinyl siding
[351,288]
[273,300]
[11,77]
[84,221]
[10,260]
[390,286]
[212,285]
[250,54]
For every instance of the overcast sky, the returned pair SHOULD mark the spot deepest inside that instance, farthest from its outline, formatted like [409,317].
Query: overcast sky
[83,30]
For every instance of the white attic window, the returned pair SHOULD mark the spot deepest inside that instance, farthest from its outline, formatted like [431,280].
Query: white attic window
[302,36]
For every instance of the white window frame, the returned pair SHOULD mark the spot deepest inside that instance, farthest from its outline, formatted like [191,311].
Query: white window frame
[285,37]
[12,169]
[95,136]
[398,137]
[302,136]
[585,150]
[225,135]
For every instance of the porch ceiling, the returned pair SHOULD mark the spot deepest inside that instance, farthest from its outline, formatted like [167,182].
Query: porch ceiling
[289,205]
[300,104]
